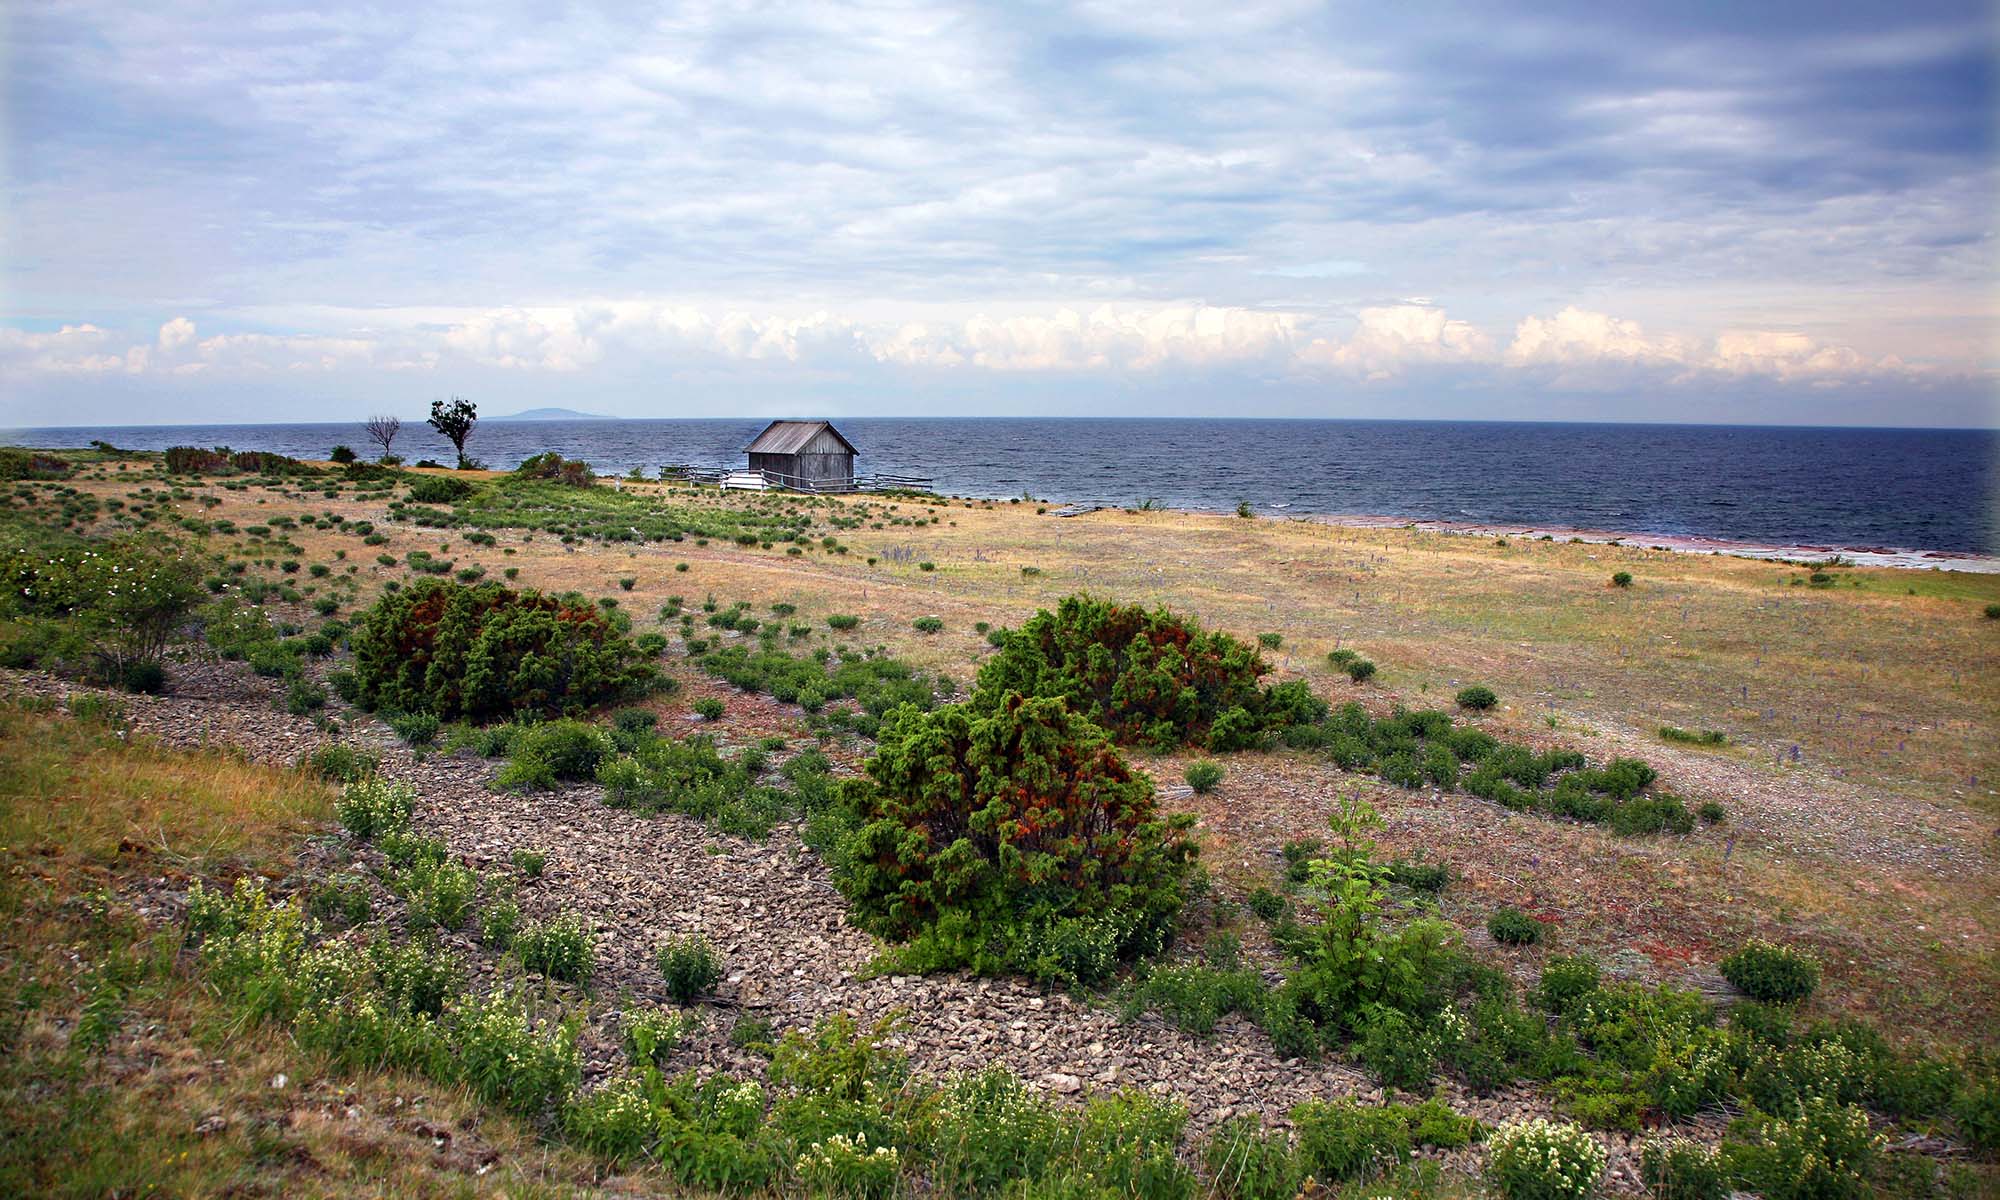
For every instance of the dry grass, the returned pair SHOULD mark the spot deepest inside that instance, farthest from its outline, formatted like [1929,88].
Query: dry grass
[177,1099]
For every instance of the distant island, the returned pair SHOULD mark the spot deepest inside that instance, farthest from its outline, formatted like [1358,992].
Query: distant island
[554,414]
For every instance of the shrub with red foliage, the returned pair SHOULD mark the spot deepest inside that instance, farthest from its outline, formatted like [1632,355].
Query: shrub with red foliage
[1147,676]
[193,460]
[1012,838]
[489,652]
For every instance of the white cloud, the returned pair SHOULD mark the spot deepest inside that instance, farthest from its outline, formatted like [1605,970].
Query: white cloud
[1391,337]
[175,334]
[1572,349]
[1577,338]
[70,350]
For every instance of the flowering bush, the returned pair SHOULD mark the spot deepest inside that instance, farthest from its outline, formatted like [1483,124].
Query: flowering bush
[848,1166]
[614,1121]
[1677,1169]
[1542,1160]
[506,1058]
[113,607]
[559,948]
[651,1035]
[372,806]
[1822,1152]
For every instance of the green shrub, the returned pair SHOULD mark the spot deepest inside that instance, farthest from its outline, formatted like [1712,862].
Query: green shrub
[1993,612]
[1267,904]
[570,749]
[142,678]
[1245,1162]
[1011,838]
[1824,1151]
[1770,972]
[1542,1160]
[1195,997]
[710,707]
[303,697]
[372,806]
[438,489]
[530,862]
[1567,980]
[1145,677]
[559,948]
[338,762]
[1342,1140]
[1643,815]
[437,890]
[1621,579]
[1706,737]
[16,464]
[1360,670]
[1677,1169]
[1478,697]
[1426,877]
[449,650]
[1203,776]
[690,965]
[340,901]
[651,1035]
[418,729]
[842,621]
[1270,641]
[927,624]
[1976,1110]
[1711,813]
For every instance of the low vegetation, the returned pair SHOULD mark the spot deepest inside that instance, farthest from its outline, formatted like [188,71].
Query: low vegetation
[1146,677]
[1011,838]
[1429,749]
[449,650]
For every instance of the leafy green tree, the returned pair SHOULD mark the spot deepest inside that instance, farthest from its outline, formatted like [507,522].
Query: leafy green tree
[455,419]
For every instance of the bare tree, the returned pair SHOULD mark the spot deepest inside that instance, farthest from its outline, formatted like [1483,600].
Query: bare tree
[383,430]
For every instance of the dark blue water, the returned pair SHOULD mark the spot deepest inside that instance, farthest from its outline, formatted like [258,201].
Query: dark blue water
[1850,488]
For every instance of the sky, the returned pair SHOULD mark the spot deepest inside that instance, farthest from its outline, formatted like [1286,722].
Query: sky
[1696,211]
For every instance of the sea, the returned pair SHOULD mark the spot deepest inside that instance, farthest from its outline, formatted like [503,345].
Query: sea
[1883,490]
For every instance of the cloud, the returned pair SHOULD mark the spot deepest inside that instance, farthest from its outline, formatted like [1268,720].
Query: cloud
[1389,338]
[70,350]
[1577,338]
[1116,190]
[1573,348]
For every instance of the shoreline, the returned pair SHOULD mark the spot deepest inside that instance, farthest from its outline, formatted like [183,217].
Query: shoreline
[1685,543]
[1677,543]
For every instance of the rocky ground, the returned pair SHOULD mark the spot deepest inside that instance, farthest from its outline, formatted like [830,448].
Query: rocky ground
[791,958]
